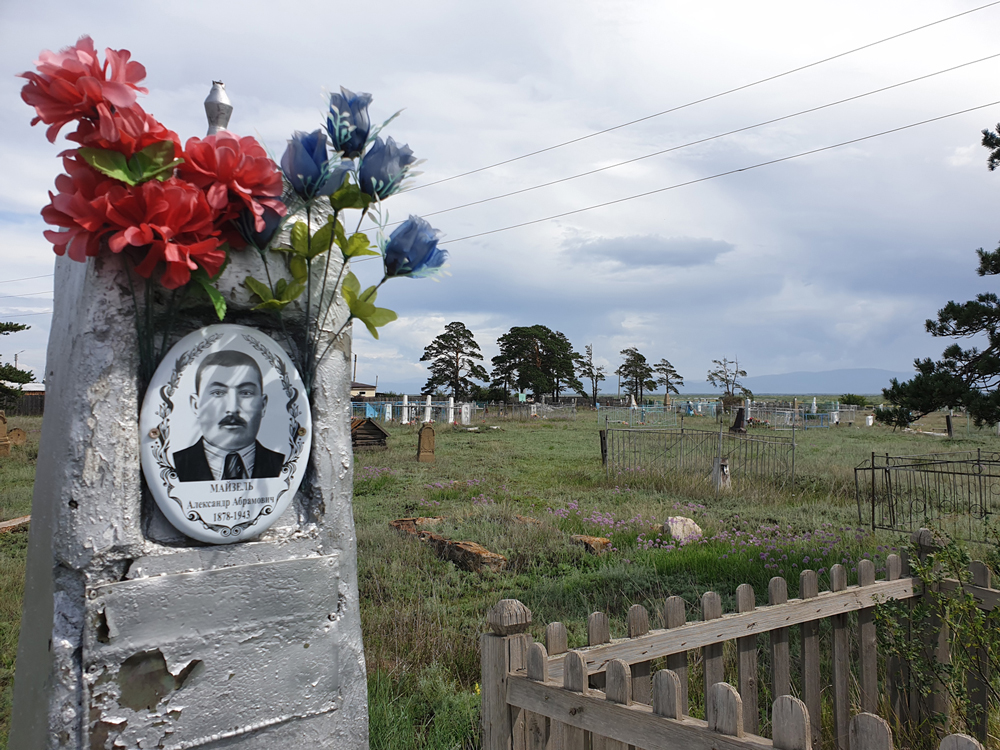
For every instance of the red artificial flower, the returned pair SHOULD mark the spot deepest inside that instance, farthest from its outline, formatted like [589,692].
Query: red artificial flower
[234,172]
[173,221]
[136,130]
[80,208]
[74,85]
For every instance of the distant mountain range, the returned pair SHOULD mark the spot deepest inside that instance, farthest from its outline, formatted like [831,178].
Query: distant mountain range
[866,380]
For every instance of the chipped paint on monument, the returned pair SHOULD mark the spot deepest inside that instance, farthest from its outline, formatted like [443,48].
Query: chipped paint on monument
[95,553]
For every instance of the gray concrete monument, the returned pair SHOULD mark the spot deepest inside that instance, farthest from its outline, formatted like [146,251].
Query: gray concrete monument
[135,635]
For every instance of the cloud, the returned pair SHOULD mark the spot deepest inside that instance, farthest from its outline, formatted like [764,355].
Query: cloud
[649,251]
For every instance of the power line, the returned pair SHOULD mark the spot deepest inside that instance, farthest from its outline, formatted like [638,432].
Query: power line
[723,174]
[26,315]
[707,139]
[30,294]
[28,278]
[707,98]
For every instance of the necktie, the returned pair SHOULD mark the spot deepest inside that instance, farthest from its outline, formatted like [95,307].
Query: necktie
[234,468]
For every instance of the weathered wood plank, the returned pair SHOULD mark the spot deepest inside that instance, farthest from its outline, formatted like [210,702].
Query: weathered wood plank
[896,672]
[635,724]
[781,680]
[555,638]
[675,616]
[571,737]
[870,732]
[619,691]
[694,635]
[537,726]
[977,678]
[494,716]
[667,694]
[790,724]
[959,742]
[724,710]
[841,664]
[747,662]
[809,589]
[598,632]
[867,643]
[986,598]
[638,625]
[711,654]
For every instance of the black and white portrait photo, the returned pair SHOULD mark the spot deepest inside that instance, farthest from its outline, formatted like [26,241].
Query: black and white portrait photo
[229,404]
[226,433]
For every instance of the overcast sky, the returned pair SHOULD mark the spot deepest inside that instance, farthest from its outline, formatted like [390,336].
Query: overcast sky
[832,260]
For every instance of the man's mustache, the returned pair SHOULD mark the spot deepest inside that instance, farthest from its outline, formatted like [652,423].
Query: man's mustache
[232,420]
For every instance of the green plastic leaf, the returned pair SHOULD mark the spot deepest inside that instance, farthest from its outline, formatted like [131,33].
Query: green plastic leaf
[154,162]
[321,241]
[339,236]
[379,317]
[200,277]
[359,244]
[258,288]
[108,162]
[300,238]
[279,288]
[292,292]
[349,196]
[369,294]
[351,287]
[271,305]
[299,268]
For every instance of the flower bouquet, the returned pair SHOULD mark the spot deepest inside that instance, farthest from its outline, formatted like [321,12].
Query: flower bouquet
[179,213]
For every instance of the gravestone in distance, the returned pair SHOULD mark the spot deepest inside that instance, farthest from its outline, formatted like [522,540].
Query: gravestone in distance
[425,444]
[17,437]
[134,634]
[466,414]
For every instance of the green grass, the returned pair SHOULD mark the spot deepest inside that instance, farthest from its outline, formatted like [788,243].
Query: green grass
[422,617]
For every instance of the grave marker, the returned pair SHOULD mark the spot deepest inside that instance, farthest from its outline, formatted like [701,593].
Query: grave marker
[425,444]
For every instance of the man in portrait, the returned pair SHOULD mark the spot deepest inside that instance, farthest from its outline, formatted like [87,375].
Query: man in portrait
[228,403]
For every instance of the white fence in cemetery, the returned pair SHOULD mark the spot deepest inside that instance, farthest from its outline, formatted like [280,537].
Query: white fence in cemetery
[446,412]
[606,695]
[652,416]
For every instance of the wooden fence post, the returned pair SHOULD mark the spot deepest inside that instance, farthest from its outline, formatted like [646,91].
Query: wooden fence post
[870,732]
[747,656]
[565,737]
[724,710]
[936,643]
[555,638]
[667,694]
[674,616]
[638,624]
[711,609]
[537,726]
[977,678]
[502,651]
[867,644]
[959,742]
[781,682]
[598,632]
[619,690]
[841,663]
[809,589]
[897,672]
[790,724]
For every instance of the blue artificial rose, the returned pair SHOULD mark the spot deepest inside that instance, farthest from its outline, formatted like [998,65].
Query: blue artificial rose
[246,225]
[384,168]
[348,123]
[307,166]
[412,250]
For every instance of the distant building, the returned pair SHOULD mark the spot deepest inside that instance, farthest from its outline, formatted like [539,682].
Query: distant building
[362,390]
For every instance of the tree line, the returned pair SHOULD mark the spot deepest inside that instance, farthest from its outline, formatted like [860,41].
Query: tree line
[539,360]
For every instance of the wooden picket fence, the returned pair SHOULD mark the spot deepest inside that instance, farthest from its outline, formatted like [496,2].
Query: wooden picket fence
[604,697]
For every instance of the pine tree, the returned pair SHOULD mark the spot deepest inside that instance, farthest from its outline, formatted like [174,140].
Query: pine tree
[668,377]
[636,373]
[453,356]
[535,358]
[11,377]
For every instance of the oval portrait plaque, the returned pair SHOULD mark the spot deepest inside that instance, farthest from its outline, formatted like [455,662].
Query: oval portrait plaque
[225,433]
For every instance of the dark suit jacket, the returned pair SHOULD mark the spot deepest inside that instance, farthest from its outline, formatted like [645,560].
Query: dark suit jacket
[192,466]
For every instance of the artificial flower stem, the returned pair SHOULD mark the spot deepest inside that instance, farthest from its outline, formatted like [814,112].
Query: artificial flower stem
[326,273]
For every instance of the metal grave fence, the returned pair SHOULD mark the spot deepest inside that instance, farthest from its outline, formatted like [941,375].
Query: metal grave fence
[958,493]
[752,460]
[650,416]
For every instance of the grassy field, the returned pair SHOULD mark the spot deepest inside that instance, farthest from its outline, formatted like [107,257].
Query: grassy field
[421,617]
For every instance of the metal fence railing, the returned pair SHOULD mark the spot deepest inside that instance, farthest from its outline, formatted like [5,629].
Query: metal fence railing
[958,493]
[417,411]
[752,460]
[649,416]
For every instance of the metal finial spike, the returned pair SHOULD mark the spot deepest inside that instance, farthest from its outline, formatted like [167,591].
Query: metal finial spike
[218,108]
